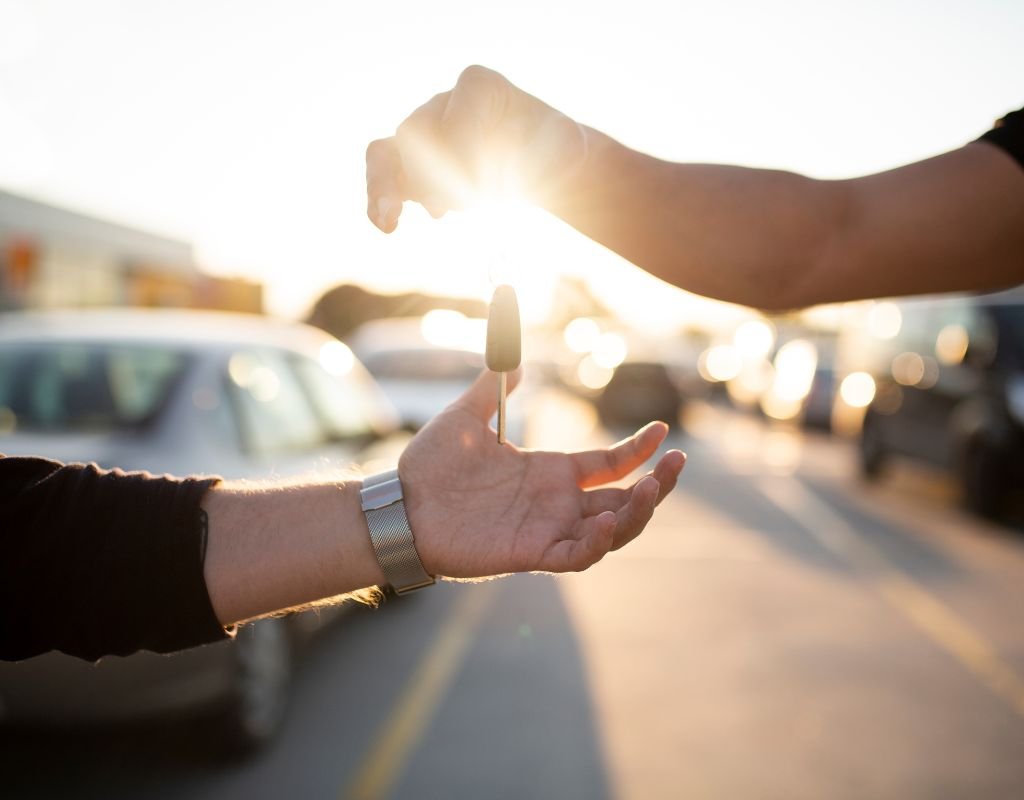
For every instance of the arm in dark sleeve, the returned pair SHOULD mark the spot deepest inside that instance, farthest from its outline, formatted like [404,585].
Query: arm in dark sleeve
[96,562]
[1008,134]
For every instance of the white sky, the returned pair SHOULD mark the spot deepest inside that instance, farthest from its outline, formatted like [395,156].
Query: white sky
[241,125]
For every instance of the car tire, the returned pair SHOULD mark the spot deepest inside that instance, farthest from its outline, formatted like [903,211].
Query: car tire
[255,709]
[983,478]
[872,448]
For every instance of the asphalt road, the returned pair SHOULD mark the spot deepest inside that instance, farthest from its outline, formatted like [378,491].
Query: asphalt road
[781,631]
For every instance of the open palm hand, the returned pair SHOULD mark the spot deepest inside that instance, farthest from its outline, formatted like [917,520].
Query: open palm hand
[478,508]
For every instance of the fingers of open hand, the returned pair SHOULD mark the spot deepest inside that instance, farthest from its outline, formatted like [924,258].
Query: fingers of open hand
[614,517]
[648,492]
[594,467]
[624,501]
[594,537]
[632,518]
[666,471]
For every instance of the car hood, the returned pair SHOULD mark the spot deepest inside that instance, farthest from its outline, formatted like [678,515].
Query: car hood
[130,452]
[78,447]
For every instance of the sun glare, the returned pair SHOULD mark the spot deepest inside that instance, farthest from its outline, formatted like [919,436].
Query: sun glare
[504,240]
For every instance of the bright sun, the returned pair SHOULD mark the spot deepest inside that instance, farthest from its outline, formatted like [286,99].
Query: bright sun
[501,239]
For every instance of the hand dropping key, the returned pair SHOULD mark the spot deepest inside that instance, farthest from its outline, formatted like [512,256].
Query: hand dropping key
[504,344]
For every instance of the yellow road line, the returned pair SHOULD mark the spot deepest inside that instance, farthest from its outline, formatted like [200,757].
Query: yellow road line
[412,713]
[923,609]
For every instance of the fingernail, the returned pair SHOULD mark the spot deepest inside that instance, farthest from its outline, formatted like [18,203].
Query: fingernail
[383,210]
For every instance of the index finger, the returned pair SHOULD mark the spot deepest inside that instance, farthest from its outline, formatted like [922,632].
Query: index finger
[594,467]
[384,194]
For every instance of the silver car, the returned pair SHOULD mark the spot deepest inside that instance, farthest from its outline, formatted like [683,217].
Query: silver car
[183,392]
[422,375]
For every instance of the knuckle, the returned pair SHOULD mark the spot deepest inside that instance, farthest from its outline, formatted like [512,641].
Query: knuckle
[475,73]
[611,460]
[407,127]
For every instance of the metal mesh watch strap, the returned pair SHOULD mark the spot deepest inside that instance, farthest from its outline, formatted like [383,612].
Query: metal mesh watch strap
[390,534]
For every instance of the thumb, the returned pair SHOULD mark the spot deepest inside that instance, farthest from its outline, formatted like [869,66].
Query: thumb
[481,399]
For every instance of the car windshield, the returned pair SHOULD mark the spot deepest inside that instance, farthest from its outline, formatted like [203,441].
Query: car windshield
[67,386]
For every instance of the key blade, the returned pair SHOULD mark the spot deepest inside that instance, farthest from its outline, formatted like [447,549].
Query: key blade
[502,397]
[504,332]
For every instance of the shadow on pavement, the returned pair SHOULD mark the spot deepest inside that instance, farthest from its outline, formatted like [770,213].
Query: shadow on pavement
[517,721]
[740,499]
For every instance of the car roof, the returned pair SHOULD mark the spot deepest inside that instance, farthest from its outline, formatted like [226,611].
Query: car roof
[1013,296]
[180,327]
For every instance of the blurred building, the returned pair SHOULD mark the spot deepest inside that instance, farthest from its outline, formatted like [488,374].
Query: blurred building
[52,257]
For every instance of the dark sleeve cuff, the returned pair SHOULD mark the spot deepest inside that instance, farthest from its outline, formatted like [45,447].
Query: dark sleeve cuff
[101,562]
[1008,135]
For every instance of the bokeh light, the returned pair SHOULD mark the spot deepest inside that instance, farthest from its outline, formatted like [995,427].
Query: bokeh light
[581,335]
[857,389]
[336,358]
[610,350]
[754,338]
[592,375]
[951,344]
[720,363]
[884,320]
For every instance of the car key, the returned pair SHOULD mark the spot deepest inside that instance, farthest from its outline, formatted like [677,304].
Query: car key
[504,344]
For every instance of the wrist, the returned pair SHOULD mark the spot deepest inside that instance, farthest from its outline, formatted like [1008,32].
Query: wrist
[559,159]
[416,512]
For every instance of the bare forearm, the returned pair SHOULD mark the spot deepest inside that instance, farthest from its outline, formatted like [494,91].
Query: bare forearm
[745,235]
[778,240]
[272,548]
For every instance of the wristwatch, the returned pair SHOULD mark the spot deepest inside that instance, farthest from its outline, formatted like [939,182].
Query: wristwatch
[390,534]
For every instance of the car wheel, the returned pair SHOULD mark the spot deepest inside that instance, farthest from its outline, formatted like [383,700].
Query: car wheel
[872,448]
[255,709]
[984,481]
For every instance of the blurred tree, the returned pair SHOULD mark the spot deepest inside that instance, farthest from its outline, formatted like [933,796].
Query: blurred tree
[574,298]
[341,310]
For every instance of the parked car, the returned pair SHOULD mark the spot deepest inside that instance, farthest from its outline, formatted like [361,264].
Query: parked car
[425,363]
[949,391]
[184,393]
[817,406]
[638,392]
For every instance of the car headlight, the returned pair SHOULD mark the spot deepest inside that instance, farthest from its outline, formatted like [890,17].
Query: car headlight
[1015,397]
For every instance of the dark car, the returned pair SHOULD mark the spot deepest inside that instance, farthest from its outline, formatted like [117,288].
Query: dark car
[183,393]
[638,392]
[950,392]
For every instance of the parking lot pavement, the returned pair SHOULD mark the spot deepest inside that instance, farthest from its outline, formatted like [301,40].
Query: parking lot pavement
[781,631]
